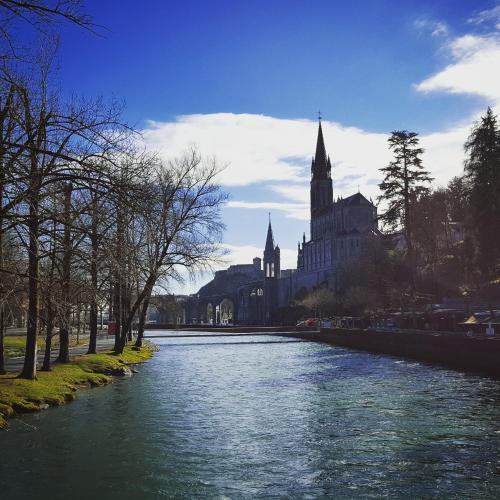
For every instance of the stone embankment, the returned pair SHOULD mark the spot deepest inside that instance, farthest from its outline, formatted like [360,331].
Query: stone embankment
[454,350]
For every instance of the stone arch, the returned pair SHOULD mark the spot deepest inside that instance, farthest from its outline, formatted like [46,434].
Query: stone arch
[226,312]
[210,313]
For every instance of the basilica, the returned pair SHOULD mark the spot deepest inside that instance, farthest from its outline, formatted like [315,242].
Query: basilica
[251,294]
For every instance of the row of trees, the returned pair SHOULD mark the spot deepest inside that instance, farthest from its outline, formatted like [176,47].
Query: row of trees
[88,219]
[442,242]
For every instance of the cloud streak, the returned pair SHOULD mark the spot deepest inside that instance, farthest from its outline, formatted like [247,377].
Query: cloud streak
[475,69]
[436,28]
[262,153]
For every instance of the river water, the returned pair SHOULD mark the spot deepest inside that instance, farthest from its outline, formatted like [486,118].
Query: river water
[263,417]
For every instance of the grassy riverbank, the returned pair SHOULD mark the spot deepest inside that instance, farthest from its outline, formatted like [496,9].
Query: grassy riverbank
[59,386]
[15,345]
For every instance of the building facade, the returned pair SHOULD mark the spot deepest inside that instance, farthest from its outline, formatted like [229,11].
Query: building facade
[338,230]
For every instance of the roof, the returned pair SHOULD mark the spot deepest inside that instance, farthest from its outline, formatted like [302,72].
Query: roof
[354,200]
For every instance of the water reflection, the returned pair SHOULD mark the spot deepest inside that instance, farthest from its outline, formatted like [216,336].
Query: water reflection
[244,418]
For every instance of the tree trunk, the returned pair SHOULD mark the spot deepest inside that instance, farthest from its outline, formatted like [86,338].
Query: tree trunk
[48,337]
[3,114]
[145,293]
[117,309]
[93,299]
[2,335]
[78,321]
[119,290]
[66,276]
[30,356]
[93,327]
[2,291]
[142,320]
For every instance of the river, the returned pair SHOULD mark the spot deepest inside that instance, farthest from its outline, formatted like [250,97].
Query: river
[263,417]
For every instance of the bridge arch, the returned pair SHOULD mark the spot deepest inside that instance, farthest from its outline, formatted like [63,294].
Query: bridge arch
[210,313]
[226,312]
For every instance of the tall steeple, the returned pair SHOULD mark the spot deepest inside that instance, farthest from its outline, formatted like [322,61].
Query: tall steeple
[320,167]
[321,179]
[270,239]
[272,271]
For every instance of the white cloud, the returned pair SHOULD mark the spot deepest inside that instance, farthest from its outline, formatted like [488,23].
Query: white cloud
[254,147]
[487,16]
[265,153]
[262,150]
[475,69]
[436,28]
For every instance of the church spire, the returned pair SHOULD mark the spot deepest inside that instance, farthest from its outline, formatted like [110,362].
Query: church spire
[320,156]
[321,180]
[270,238]
[321,162]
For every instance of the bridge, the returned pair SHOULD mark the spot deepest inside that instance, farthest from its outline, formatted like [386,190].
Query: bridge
[224,334]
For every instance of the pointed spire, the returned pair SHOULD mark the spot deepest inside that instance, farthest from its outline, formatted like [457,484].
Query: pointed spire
[320,156]
[270,239]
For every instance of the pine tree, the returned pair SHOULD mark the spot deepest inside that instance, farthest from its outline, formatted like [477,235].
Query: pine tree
[482,169]
[403,184]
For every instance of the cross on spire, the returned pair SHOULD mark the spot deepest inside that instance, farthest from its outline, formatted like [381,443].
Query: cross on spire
[319,115]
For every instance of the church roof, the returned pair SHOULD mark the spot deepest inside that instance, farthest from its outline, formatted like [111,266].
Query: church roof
[355,199]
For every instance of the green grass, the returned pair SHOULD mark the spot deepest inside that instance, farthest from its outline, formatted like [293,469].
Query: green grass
[59,386]
[14,345]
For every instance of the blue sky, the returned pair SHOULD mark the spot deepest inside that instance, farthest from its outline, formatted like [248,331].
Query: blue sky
[355,60]
[244,82]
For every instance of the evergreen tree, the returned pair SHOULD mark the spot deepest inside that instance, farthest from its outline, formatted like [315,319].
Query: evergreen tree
[403,184]
[482,169]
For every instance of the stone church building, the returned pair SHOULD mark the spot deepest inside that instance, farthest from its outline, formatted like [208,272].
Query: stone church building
[251,293]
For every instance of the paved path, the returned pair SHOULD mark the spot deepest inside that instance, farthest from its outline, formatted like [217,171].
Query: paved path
[103,344]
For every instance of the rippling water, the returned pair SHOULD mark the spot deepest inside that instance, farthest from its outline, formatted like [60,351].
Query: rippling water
[260,417]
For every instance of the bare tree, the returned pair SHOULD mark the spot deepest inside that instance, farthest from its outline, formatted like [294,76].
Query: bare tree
[42,15]
[182,224]
[58,144]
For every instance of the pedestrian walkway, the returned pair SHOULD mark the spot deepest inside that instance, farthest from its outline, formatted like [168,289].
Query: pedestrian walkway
[103,343]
